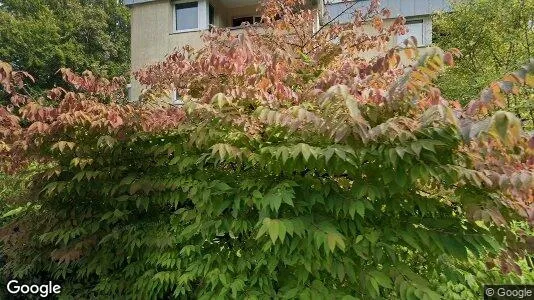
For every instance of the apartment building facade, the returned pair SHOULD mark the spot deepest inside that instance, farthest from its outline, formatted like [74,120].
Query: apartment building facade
[158,27]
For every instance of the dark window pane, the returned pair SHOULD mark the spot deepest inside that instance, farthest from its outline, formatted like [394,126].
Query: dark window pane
[413,22]
[212,15]
[186,16]
[239,21]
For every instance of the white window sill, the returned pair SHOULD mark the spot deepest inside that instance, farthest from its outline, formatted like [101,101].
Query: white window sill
[186,30]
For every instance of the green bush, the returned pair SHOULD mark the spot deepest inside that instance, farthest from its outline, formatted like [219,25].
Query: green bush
[206,211]
[296,169]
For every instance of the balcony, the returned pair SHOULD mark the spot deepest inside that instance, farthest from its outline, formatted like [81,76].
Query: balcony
[201,14]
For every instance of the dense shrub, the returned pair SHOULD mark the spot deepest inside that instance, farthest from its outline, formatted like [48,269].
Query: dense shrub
[297,168]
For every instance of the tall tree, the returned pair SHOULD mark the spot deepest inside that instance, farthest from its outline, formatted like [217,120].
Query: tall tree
[44,35]
[495,37]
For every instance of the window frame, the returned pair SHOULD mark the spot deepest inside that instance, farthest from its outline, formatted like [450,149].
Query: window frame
[174,16]
[424,38]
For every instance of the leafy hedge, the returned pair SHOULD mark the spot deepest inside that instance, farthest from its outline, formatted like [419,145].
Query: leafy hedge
[340,178]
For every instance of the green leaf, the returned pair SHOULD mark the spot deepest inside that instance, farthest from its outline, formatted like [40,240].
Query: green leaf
[264,227]
[409,238]
[274,230]
[416,148]
[374,285]
[305,150]
[382,279]
[335,239]
[328,154]
[360,208]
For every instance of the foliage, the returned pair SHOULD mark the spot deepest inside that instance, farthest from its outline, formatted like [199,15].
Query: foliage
[494,37]
[9,186]
[45,35]
[297,169]
[468,285]
[14,186]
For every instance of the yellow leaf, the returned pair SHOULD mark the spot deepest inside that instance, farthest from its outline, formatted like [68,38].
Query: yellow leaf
[529,80]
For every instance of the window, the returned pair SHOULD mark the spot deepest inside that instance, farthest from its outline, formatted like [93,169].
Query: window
[211,15]
[236,22]
[415,29]
[186,15]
